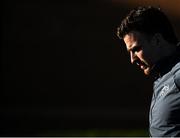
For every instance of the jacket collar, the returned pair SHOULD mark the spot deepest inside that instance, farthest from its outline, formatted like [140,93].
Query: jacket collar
[166,64]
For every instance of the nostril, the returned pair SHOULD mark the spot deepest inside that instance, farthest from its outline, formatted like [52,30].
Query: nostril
[133,60]
[133,57]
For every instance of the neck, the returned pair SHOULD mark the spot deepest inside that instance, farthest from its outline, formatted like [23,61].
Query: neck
[167,62]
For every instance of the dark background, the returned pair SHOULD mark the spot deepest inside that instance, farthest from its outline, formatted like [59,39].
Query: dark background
[63,68]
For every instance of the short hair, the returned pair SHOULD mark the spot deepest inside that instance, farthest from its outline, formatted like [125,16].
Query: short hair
[149,20]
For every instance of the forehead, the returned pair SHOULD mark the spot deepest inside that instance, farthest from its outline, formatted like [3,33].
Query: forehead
[133,38]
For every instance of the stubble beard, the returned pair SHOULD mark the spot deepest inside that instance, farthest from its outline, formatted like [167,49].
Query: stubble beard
[148,71]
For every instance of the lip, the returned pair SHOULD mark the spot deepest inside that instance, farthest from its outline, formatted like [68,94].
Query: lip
[143,67]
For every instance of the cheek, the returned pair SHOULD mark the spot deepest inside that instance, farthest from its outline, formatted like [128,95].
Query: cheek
[148,53]
[148,58]
[144,57]
[141,55]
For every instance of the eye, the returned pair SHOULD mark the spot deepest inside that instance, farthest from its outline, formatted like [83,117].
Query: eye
[136,49]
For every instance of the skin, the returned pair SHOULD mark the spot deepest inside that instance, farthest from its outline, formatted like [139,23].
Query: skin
[145,51]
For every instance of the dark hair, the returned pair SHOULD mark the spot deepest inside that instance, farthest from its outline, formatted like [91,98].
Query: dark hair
[148,20]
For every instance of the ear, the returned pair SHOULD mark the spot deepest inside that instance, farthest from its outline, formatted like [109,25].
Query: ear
[156,39]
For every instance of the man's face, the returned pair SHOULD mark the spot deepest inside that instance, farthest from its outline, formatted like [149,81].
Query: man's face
[143,51]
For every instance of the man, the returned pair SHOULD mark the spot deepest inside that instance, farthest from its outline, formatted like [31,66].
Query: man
[152,45]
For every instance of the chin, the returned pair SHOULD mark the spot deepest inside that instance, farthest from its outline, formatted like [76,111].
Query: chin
[147,71]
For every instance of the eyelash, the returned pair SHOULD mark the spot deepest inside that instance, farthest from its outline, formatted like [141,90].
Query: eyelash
[136,49]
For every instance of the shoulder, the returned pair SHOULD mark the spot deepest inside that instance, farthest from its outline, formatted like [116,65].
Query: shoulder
[176,74]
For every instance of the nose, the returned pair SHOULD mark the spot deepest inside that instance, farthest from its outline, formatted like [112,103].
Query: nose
[133,57]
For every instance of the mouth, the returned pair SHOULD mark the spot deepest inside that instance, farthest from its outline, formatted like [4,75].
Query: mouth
[142,65]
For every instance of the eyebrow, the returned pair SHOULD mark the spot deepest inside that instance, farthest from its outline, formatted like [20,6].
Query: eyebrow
[131,47]
[135,46]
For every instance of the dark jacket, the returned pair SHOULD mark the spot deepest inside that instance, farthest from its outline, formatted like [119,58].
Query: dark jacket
[164,113]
